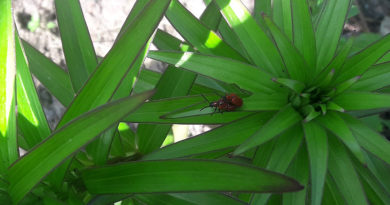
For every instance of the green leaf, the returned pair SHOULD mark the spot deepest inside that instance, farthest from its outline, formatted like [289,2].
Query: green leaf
[107,199]
[160,111]
[138,7]
[165,41]
[345,85]
[100,147]
[317,147]
[339,59]
[194,32]
[77,45]
[184,176]
[32,123]
[32,167]
[281,14]
[229,135]
[332,194]
[327,75]
[280,122]
[369,139]
[284,151]
[294,85]
[8,143]
[260,101]
[343,172]
[335,124]
[299,170]
[260,48]
[227,70]
[207,198]
[360,62]
[104,81]
[263,153]
[211,16]
[303,33]
[328,30]
[262,6]
[294,61]
[54,78]
[230,37]
[174,82]
[147,80]
[375,78]
[362,100]
[380,169]
[372,182]
[161,199]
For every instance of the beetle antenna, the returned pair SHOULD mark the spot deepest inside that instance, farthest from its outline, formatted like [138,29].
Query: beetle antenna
[205,98]
[204,108]
[207,102]
[219,94]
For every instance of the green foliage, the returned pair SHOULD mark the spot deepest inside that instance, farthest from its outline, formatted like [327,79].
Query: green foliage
[299,137]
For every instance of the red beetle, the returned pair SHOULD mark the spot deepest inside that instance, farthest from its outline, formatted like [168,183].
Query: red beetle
[227,103]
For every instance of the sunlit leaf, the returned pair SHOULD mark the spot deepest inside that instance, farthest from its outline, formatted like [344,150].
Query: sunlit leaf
[183,175]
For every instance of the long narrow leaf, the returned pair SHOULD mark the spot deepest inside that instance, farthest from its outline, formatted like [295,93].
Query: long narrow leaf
[303,33]
[161,199]
[262,6]
[226,136]
[283,153]
[99,148]
[260,48]
[332,194]
[30,169]
[78,49]
[227,70]
[328,30]
[32,122]
[327,75]
[299,170]
[369,139]
[107,77]
[202,38]
[343,172]
[357,64]
[281,14]
[380,169]
[114,66]
[283,120]
[375,78]
[294,61]
[317,147]
[208,198]
[165,41]
[211,17]
[334,123]
[183,175]
[54,78]
[260,101]
[172,83]
[8,144]
[371,181]
[362,100]
[162,111]
[151,137]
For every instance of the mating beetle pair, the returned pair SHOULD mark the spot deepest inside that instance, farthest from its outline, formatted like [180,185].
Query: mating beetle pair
[228,102]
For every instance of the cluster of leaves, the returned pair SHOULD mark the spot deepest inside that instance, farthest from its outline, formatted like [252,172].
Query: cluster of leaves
[304,91]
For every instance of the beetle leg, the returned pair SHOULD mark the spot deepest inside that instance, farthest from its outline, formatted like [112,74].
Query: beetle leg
[215,110]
